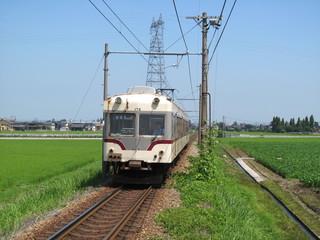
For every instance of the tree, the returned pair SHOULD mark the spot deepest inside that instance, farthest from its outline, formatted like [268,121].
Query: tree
[276,125]
[311,122]
[298,125]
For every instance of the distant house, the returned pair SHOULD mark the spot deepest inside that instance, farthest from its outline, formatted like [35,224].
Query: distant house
[98,126]
[90,127]
[77,126]
[62,125]
[20,126]
[5,125]
[50,126]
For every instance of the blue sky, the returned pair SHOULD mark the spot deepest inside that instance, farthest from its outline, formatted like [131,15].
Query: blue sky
[267,63]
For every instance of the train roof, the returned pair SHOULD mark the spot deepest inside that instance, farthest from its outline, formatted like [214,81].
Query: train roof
[142,98]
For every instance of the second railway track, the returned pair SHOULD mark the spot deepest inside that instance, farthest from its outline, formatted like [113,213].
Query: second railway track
[107,218]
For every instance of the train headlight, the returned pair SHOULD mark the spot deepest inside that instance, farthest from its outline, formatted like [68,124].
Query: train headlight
[118,100]
[161,153]
[156,101]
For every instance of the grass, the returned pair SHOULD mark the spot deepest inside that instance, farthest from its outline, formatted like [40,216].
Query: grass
[226,205]
[269,133]
[31,161]
[41,175]
[294,158]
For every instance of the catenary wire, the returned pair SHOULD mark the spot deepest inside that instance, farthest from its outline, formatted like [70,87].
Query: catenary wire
[121,33]
[85,95]
[197,24]
[123,37]
[185,43]
[184,40]
[234,3]
[118,30]
[125,25]
[220,18]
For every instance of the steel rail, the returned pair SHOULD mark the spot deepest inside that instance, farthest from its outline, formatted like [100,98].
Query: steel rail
[77,221]
[289,213]
[117,228]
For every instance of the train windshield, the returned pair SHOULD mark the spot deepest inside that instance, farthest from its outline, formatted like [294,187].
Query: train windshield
[122,124]
[151,124]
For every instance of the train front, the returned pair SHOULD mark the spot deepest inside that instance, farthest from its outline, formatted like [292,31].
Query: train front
[137,135]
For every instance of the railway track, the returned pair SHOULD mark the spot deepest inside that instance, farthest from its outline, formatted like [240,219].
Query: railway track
[107,218]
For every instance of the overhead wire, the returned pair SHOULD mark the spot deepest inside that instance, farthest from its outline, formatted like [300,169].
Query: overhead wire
[125,25]
[118,30]
[121,32]
[185,43]
[129,30]
[184,40]
[220,18]
[197,24]
[85,95]
[224,27]
[127,40]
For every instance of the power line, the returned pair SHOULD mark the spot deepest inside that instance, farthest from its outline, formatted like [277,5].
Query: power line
[85,95]
[185,43]
[234,3]
[137,51]
[117,30]
[184,40]
[181,37]
[220,18]
[125,25]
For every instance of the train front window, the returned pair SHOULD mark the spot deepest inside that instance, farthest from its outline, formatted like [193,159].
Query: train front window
[122,124]
[151,124]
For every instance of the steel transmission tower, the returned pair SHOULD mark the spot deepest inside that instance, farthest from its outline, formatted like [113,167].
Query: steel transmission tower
[156,76]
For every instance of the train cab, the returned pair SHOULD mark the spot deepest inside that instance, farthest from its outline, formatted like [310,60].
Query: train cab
[144,131]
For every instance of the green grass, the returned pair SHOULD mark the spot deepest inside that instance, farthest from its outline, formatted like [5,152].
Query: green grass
[50,194]
[41,175]
[268,133]
[227,205]
[294,158]
[30,161]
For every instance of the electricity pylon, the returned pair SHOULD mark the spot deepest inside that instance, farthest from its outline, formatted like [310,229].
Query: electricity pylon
[156,76]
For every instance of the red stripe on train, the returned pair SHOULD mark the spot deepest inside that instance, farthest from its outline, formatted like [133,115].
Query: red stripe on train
[116,142]
[159,142]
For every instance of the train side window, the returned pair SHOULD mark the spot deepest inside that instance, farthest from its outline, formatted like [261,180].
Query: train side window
[122,124]
[151,124]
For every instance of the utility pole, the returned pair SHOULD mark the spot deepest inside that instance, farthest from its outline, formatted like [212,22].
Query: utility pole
[203,121]
[200,114]
[105,82]
[204,102]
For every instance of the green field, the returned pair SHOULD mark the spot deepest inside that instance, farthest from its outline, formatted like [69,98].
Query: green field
[39,175]
[294,158]
[30,161]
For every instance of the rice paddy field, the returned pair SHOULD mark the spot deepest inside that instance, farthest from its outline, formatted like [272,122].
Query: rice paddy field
[38,175]
[293,158]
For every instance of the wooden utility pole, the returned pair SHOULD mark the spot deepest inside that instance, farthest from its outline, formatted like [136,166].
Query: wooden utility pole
[105,82]
[204,99]
[203,121]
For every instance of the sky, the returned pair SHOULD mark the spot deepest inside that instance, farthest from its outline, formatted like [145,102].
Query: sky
[267,62]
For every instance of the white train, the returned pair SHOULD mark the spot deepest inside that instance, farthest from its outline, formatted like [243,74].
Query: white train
[144,132]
